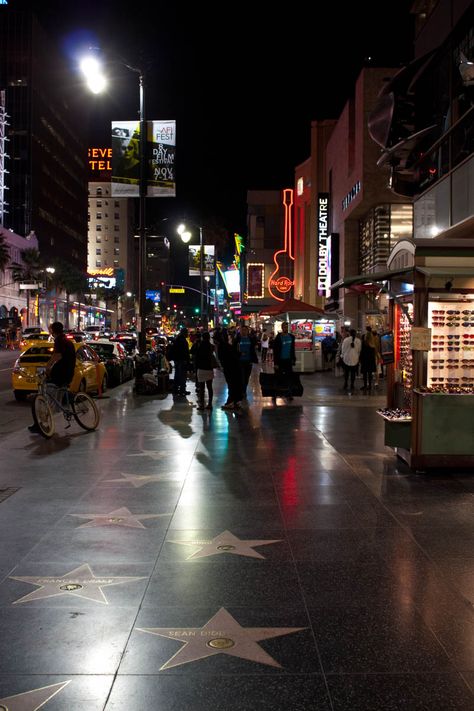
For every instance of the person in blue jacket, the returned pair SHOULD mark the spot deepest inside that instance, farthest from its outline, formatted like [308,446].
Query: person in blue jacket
[284,355]
[247,347]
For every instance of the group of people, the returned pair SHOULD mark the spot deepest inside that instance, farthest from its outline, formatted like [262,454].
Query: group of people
[234,352]
[363,353]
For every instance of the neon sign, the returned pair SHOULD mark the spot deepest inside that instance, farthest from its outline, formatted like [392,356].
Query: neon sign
[279,280]
[99,158]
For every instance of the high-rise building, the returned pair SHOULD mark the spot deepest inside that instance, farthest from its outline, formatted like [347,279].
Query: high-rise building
[47,170]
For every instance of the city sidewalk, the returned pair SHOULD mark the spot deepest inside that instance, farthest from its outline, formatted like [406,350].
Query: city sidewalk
[278,558]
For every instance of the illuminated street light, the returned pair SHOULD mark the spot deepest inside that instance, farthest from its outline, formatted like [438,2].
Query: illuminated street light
[96,81]
[186,236]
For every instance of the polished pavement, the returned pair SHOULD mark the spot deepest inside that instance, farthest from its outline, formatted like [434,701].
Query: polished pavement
[278,558]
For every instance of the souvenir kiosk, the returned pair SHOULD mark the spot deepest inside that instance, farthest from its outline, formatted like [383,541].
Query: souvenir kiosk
[310,326]
[429,418]
[430,384]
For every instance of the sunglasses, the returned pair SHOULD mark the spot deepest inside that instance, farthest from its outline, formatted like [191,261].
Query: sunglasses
[453,348]
[437,349]
[439,312]
[466,312]
[440,379]
[468,324]
[453,312]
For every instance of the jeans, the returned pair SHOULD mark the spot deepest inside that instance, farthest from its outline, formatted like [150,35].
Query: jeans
[180,374]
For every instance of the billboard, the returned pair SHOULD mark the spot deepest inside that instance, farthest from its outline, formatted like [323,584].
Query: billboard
[125,162]
[153,295]
[232,281]
[208,262]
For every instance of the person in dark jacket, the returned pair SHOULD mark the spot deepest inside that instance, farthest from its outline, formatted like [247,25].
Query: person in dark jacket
[205,370]
[180,356]
[247,347]
[284,355]
[229,358]
[368,358]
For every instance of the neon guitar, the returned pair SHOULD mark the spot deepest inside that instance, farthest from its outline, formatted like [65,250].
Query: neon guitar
[281,280]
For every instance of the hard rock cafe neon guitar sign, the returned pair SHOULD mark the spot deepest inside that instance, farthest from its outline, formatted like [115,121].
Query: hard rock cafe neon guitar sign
[280,281]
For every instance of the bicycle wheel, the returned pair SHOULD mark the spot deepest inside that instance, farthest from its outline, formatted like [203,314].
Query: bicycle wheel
[42,416]
[85,411]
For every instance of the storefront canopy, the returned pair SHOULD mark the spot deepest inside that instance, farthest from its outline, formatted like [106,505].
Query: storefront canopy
[300,309]
[361,280]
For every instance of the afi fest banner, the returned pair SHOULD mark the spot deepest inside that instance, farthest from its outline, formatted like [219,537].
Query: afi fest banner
[161,153]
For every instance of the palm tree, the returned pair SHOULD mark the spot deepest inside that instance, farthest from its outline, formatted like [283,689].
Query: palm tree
[71,279]
[29,271]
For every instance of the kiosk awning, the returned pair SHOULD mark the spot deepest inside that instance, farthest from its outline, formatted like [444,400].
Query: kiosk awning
[370,278]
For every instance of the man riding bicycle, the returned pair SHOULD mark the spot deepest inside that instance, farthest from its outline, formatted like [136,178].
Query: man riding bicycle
[61,365]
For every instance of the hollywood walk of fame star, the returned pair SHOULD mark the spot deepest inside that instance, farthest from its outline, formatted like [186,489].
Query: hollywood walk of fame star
[226,542]
[119,517]
[143,479]
[31,700]
[153,454]
[222,634]
[80,582]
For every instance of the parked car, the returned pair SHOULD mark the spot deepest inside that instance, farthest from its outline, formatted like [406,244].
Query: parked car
[29,330]
[120,366]
[94,332]
[89,373]
[128,342]
[78,336]
[29,339]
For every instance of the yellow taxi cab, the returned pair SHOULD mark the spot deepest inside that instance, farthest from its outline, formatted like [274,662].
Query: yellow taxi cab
[31,338]
[90,373]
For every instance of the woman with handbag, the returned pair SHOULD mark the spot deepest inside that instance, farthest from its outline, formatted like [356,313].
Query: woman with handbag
[205,364]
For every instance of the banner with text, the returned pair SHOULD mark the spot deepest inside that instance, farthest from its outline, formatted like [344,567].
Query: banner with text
[208,260]
[161,154]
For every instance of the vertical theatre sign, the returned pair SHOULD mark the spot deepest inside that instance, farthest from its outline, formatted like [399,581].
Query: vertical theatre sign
[324,246]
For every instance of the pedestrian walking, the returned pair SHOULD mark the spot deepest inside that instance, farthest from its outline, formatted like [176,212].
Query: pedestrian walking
[350,353]
[229,358]
[205,364]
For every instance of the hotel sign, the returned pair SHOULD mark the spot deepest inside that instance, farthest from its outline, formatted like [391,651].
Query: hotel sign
[324,246]
[99,159]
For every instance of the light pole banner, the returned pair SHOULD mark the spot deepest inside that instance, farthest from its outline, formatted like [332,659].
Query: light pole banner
[161,178]
[125,158]
[208,261]
[161,155]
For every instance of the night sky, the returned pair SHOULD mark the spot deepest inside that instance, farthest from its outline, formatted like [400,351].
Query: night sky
[242,85]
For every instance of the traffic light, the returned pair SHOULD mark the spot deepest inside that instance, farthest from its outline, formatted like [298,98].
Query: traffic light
[196,310]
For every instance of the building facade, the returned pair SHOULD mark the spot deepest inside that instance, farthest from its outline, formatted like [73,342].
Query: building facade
[13,301]
[47,170]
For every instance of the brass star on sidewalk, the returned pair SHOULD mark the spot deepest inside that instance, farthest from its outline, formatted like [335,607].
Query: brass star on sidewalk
[143,479]
[153,454]
[226,542]
[80,582]
[221,635]
[32,700]
[119,517]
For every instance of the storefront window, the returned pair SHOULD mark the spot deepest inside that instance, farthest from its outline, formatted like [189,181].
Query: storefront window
[380,230]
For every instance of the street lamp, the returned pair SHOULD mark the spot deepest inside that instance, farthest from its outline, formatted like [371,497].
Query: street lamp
[48,270]
[186,236]
[207,279]
[97,82]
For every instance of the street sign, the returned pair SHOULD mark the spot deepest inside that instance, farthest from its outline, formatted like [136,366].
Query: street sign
[176,290]
[31,286]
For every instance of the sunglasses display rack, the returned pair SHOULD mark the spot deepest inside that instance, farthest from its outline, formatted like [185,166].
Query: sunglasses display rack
[405,358]
[451,358]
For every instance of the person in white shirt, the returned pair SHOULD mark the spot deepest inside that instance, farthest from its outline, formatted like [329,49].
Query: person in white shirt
[264,343]
[350,353]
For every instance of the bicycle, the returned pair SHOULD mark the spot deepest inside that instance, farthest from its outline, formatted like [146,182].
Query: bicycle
[52,399]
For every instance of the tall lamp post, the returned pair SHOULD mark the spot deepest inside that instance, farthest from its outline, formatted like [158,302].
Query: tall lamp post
[183,231]
[207,280]
[96,82]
